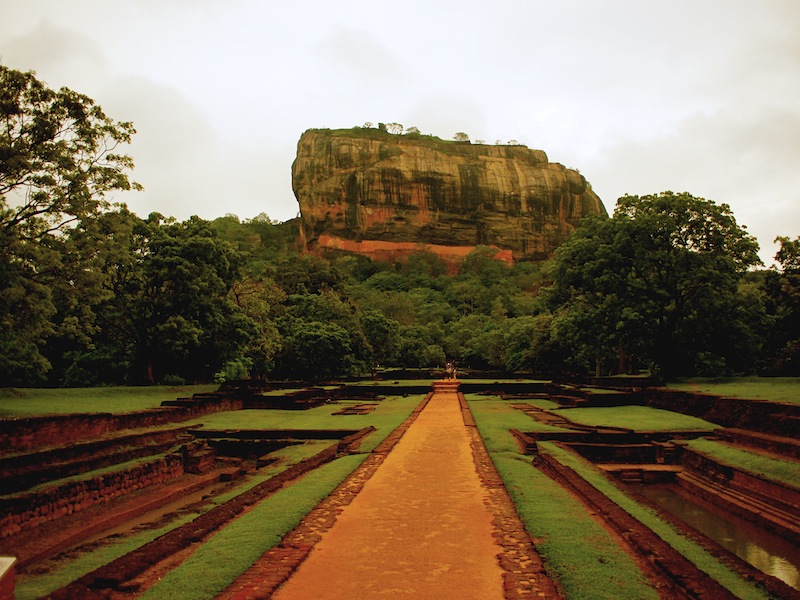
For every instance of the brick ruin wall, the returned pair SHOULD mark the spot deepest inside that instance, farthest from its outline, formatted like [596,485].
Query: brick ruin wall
[18,435]
[768,417]
[27,510]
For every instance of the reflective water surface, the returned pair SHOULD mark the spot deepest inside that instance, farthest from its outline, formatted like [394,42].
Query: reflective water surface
[765,551]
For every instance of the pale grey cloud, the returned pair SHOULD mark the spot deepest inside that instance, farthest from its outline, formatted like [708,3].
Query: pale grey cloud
[747,160]
[446,113]
[56,52]
[359,56]
[640,96]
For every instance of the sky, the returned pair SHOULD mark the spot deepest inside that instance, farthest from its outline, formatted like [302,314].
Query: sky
[641,96]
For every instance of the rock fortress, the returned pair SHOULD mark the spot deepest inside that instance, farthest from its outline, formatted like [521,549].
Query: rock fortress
[381,195]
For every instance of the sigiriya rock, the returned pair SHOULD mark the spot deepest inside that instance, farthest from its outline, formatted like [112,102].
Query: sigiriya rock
[383,195]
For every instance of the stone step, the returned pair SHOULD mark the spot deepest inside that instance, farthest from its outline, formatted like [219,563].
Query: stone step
[740,503]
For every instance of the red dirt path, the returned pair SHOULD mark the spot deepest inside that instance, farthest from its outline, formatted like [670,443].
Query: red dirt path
[419,528]
[426,515]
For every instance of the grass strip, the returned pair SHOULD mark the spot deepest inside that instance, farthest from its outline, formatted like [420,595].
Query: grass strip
[579,552]
[512,417]
[688,548]
[62,570]
[31,402]
[775,389]
[640,418]
[227,554]
[784,471]
[389,413]
[65,568]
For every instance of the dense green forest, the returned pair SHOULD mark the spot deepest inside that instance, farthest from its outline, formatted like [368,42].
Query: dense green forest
[92,294]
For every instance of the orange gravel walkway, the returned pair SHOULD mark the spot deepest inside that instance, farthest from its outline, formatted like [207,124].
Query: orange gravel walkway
[419,528]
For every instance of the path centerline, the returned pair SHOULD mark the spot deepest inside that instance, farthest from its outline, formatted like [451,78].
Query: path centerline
[419,528]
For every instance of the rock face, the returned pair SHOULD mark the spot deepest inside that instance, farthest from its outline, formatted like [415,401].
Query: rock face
[385,195]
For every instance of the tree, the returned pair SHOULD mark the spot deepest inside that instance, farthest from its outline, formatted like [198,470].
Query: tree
[58,152]
[418,349]
[461,137]
[171,317]
[315,351]
[788,255]
[58,159]
[482,263]
[395,128]
[97,257]
[257,299]
[530,345]
[643,286]
[782,288]
[383,336]
[305,273]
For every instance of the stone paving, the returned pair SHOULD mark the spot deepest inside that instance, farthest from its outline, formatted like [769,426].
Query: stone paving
[431,519]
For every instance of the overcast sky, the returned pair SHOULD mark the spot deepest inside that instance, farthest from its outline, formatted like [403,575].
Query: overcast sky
[641,96]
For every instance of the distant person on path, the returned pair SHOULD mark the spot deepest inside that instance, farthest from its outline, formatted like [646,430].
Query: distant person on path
[450,370]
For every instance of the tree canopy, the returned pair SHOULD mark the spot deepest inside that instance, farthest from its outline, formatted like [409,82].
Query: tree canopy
[58,156]
[91,293]
[641,286]
[58,160]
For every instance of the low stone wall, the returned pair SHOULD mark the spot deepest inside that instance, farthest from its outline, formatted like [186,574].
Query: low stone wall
[775,494]
[25,511]
[23,471]
[17,435]
[99,583]
[675,576]
[767,417]
[762,441]
[618,453]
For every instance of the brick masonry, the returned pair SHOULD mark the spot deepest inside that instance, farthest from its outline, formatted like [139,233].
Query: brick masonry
[27,510]
[524,575]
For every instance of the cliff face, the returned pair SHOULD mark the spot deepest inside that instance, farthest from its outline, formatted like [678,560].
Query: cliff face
[384,195]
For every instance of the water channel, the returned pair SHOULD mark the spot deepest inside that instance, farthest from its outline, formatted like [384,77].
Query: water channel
[763,550]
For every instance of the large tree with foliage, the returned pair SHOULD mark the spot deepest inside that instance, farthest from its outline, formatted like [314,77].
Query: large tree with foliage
[782,287]
[654,285]
[179,309]
[58,160]
[165,309]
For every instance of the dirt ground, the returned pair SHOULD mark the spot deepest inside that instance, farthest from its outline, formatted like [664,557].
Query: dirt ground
[430,519]
[416,529]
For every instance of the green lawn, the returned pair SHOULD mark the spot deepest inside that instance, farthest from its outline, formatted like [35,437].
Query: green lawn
[579,552]
[775,389]
[511,417]
[387,415]
[738,586]
[280,392]
[30,402]
[271,519]
[220,560]
[641,418]
[784,471]
[233,549]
